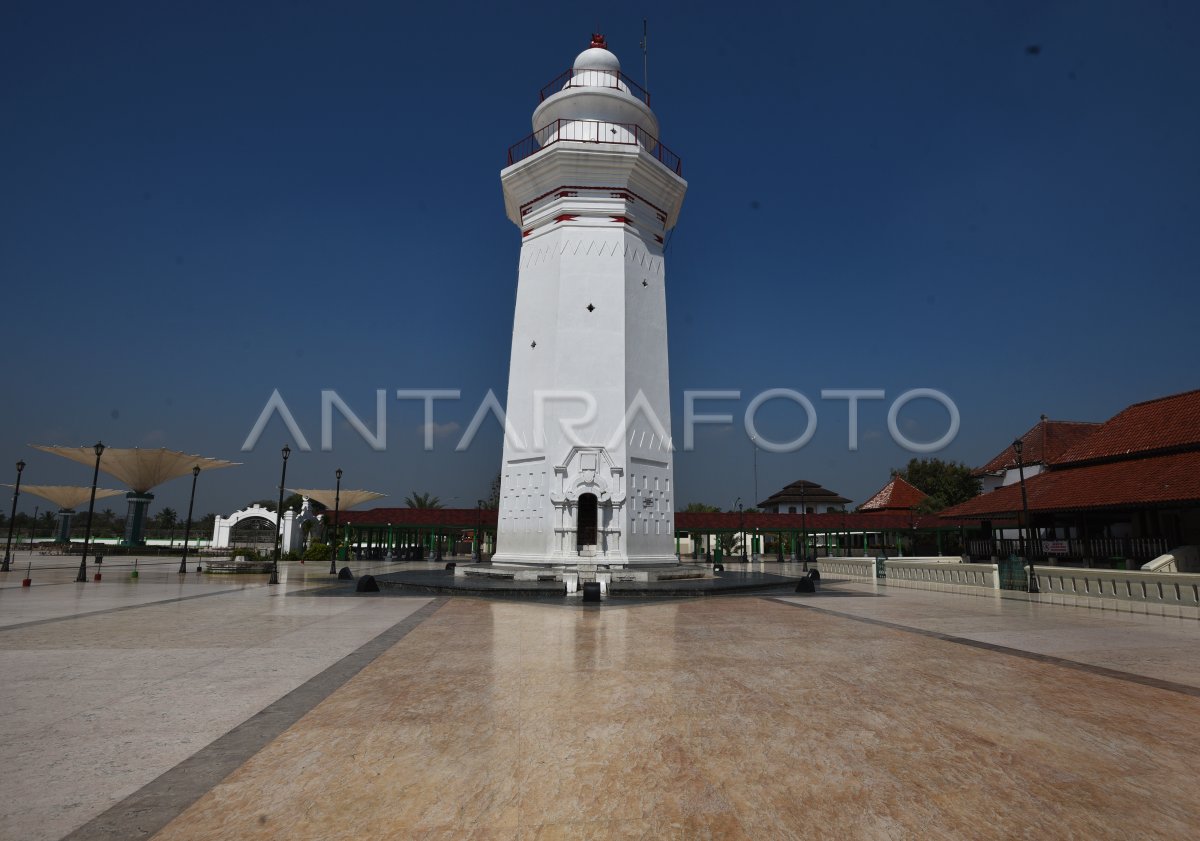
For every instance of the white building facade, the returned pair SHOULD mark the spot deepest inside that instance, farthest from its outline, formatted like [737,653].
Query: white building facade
[587,471]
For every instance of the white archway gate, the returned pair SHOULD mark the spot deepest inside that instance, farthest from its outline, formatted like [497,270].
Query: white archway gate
[291,531]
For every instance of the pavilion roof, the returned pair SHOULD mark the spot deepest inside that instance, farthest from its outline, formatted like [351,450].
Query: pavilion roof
[140,469]
[345,499]
[67,497]
[896,495]
[810,492]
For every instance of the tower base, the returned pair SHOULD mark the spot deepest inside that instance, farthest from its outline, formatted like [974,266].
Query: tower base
[503,559]
[671,571]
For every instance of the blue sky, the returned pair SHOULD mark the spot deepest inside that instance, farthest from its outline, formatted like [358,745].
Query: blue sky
[205,202]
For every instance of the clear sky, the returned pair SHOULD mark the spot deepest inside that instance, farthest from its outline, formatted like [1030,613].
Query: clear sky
[204,202]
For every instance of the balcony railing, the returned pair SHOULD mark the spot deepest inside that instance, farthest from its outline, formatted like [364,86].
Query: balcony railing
[594,131]
[614,79]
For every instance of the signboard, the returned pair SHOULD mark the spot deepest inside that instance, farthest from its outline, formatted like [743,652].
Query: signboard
[1055,547]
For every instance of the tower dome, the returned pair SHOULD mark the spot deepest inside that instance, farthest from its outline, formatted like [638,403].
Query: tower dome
[597,57]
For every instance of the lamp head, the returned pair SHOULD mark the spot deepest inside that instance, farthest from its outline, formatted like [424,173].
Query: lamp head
[99,448]
[20,467]
[1018,445]
[287,451]
[196,470]
[338,474]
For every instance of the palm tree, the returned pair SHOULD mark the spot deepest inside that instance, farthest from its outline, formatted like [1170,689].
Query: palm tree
[422,500]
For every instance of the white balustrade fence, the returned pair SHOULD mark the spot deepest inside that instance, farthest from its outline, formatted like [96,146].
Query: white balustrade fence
[1165,594]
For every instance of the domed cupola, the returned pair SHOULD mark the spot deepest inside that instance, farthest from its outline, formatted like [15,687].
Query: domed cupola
[594,101]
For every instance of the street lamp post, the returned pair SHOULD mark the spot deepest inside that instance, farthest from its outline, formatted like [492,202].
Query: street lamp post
[1023,531]
[754,444]
[87,533]
[287,451]
[187,530]
[477,555]
[13,518]
[742,528]
[337,504]
[804,524]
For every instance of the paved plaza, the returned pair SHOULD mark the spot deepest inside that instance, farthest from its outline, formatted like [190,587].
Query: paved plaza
[208,707]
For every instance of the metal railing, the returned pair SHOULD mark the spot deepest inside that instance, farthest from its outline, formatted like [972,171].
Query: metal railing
[615,79]
[1139,549]
[594,131]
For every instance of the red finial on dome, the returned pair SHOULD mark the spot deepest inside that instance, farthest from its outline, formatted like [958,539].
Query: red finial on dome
[598,41]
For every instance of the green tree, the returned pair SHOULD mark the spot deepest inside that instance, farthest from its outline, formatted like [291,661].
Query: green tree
[702,508]
[947,482]
[422,500]
[167,519]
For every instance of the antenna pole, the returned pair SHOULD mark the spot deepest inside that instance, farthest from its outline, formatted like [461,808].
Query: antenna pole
[645,56]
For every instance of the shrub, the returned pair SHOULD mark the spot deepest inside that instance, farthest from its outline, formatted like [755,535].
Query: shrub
[317,551]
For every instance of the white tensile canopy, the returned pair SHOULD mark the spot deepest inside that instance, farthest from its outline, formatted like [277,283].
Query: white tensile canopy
[67,497]
[348,498]
[140,469]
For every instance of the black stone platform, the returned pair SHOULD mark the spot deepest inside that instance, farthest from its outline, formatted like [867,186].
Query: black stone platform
[446,583]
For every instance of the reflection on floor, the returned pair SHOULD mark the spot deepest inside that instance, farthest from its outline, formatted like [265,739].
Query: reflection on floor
[719,718]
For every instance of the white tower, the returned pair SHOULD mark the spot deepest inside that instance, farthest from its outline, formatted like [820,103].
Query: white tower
[587,475]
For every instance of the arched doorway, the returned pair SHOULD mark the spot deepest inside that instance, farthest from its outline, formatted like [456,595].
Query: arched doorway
[585,530]
[256,533]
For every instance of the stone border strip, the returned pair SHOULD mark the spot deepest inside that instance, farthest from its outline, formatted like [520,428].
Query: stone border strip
[154,805]
[68,618]
[1050,659]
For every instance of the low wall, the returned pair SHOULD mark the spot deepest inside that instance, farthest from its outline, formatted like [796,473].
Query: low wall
[914,573]
[1163,594]
[847,567]
[941,573]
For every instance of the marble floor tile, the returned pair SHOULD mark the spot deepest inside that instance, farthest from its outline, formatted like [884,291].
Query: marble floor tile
[784,723]
[720,718]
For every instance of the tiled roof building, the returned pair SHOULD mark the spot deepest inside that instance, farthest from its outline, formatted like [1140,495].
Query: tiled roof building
[1131,484]
[803,494]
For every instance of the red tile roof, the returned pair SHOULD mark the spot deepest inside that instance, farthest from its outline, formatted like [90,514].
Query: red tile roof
[865,521]
[1045,443]
[1138,482]
[896,495]
[1168,423]
[465,518]
[414,517]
